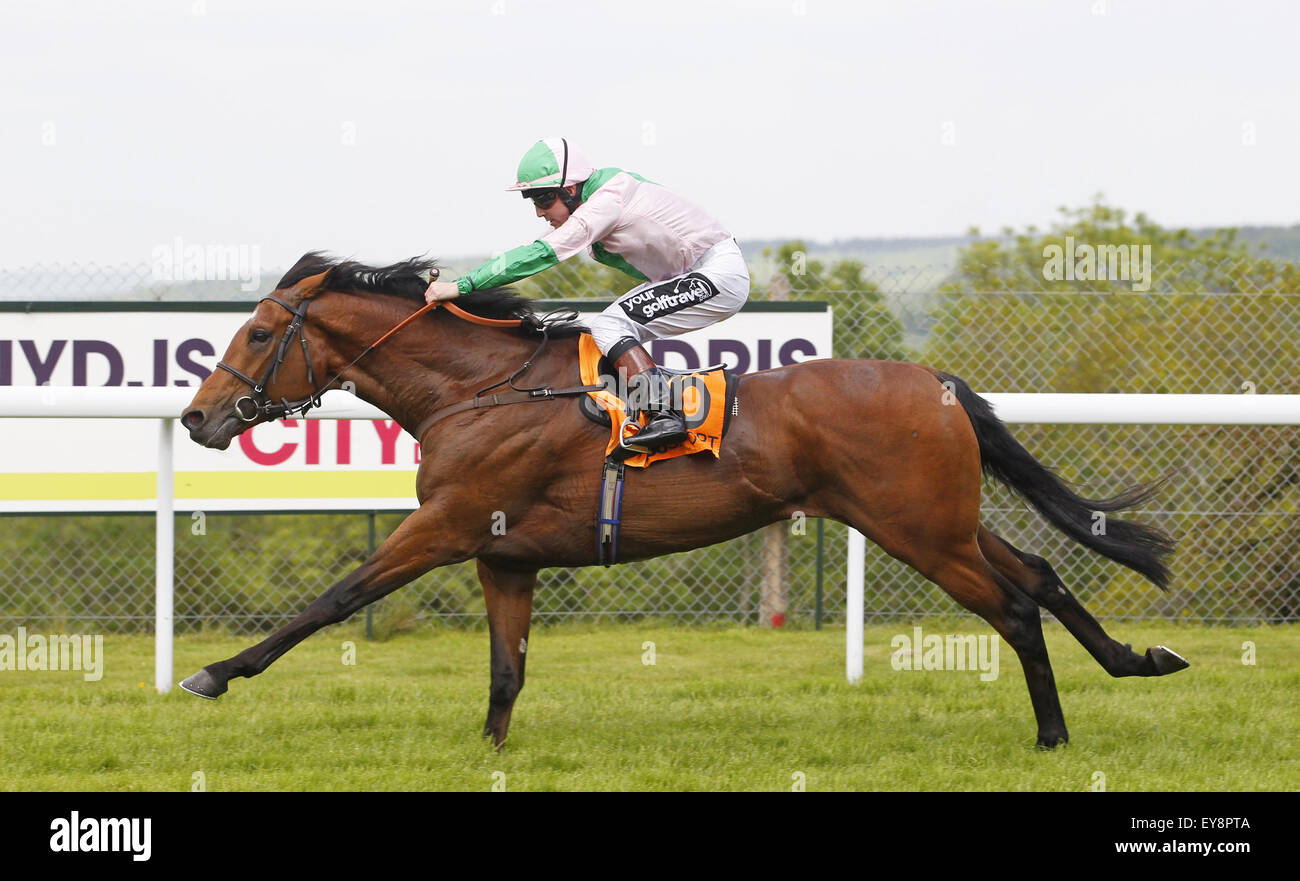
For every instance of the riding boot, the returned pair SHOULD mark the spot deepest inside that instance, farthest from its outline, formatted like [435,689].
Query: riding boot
[648,385]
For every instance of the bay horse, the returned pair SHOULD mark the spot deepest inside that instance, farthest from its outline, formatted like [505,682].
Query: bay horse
[895,450]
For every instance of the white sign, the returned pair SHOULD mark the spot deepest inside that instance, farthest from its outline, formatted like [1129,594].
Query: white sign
[295,464]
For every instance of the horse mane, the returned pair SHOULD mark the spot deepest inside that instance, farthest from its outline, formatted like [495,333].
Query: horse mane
[409,279]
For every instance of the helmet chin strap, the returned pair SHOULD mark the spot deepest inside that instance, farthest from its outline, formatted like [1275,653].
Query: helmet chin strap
[570,201]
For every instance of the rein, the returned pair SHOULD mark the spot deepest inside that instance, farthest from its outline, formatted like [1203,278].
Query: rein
[261,405]
[519,395]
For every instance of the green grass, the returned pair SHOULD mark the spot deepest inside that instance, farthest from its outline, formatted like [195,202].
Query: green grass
[734,709]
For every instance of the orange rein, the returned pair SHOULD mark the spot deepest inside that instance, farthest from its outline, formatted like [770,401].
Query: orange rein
[475,319]
[454,310]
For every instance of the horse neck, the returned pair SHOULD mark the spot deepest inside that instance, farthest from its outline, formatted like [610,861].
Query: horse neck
[436,360]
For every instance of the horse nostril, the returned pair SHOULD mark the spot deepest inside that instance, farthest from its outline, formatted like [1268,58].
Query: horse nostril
[192,419]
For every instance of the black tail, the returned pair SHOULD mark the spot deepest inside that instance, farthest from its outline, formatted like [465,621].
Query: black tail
[1141,548]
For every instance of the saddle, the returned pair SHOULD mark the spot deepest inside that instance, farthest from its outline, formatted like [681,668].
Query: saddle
[708,401]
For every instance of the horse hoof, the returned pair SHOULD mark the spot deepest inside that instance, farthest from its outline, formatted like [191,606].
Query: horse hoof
[204,685]
[1166,660]
[1052,741]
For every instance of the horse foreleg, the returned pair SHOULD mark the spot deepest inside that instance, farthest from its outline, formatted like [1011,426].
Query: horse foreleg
[509,598]
[408,553]
[1035,577]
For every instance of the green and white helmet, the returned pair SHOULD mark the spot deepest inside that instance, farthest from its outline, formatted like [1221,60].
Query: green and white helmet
[552,162]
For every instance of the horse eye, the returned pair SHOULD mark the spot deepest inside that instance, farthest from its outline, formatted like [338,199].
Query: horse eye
[260,336]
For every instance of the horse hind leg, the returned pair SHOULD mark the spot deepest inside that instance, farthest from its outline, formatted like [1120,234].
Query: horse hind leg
[968,578]
[1036,578]
[508,595]
[958,566]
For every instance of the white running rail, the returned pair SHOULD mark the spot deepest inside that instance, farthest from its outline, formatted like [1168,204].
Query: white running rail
[166,404]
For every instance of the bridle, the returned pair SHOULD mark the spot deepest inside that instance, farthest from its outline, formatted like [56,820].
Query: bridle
[259,402]
[260,405]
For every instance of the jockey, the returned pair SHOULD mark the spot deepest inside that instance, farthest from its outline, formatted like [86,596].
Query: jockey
[691,270]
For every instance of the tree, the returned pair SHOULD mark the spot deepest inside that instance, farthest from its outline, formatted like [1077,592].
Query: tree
[865,327]
[1215,318]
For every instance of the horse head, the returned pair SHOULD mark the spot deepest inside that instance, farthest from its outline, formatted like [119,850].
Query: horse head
[269,370]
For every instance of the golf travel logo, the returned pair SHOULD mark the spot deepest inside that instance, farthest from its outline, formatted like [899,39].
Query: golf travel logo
[671,296]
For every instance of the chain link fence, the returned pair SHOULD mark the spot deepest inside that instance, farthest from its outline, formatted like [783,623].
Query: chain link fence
[1232,500]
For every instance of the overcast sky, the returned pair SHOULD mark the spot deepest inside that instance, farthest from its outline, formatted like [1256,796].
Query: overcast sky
[381,130]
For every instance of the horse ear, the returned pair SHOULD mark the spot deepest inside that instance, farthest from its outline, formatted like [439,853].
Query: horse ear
[309,284]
